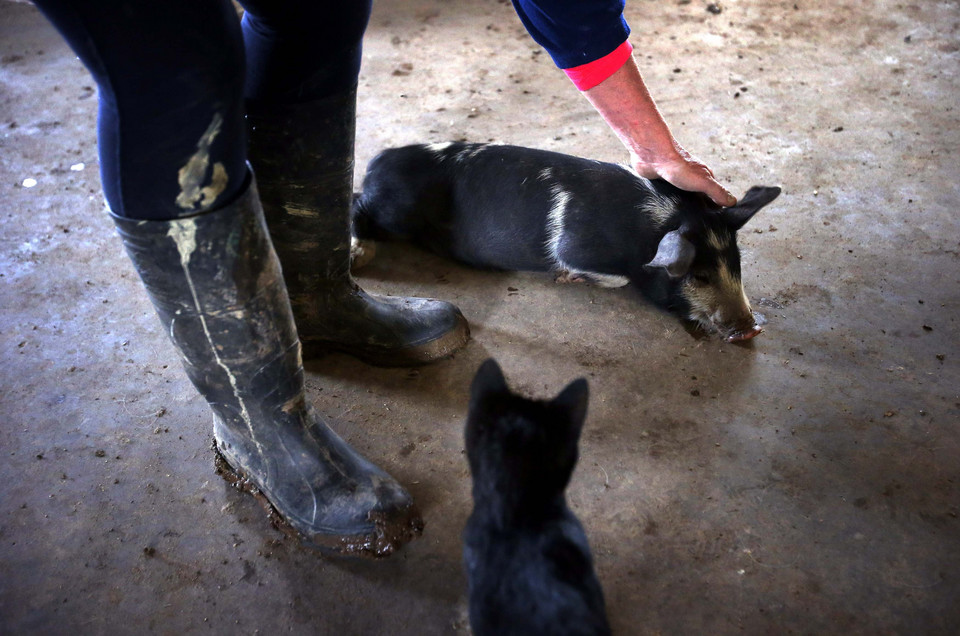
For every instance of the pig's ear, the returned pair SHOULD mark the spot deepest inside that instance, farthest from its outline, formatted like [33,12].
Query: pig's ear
[674,254]
[751,203]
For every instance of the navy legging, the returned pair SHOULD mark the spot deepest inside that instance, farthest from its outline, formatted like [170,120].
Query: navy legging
[172,79]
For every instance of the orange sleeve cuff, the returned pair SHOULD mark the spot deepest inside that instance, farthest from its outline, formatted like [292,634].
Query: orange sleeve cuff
[588,75]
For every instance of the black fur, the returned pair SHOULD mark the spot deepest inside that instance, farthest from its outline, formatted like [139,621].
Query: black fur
[526,554]
[488,206]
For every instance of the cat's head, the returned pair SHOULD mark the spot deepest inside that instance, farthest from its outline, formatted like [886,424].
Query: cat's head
[516,442]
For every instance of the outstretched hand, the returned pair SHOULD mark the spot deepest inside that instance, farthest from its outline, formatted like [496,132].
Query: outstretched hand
[625,104]
[686,172]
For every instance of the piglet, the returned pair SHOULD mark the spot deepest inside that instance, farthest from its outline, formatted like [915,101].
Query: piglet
[512,208]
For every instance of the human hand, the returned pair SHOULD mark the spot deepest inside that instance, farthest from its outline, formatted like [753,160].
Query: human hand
[625,104]
[684,171]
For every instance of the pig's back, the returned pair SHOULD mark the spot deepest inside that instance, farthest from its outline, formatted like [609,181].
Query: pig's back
[501,207]
[509,205]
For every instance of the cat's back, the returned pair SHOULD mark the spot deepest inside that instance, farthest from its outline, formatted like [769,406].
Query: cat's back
[536,580]
[527,558]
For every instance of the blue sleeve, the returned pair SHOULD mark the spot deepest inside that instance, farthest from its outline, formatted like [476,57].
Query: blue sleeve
[574,32]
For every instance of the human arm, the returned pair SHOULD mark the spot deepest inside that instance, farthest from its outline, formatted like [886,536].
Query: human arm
[624,102]
[588,40]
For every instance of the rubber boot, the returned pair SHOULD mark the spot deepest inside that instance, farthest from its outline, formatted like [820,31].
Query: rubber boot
[217,287]
[303,156]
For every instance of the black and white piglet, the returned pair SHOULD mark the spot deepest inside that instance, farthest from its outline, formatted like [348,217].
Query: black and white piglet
[513,208]
[528,562]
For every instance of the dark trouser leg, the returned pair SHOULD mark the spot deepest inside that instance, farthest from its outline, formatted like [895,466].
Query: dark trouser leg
[304,59]
[216,283]
[188,211]
[170,80]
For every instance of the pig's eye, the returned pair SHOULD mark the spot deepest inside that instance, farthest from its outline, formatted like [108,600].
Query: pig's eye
[703,279]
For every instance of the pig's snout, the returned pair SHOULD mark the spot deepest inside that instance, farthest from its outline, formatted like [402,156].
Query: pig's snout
[747,329]
[745,334]
[721,305]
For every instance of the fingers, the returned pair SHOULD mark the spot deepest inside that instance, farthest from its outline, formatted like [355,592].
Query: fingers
[689,174]
[706,182]
[718,194]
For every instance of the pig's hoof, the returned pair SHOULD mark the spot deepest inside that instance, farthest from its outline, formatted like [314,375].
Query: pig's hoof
[361,252]
[590,278]
[566,276]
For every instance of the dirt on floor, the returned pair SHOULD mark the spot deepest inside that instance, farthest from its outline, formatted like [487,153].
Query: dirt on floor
[807,482]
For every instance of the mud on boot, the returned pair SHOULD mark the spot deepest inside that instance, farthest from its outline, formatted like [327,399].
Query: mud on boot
[217,287]
[303,154]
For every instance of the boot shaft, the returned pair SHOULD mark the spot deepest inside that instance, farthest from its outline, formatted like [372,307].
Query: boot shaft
[217,286]
[303,155]
[306,148]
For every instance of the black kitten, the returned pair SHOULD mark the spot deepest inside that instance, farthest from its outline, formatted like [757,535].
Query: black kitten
[526,554]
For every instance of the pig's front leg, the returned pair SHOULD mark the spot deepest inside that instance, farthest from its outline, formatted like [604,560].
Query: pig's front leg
[362,252]
[566,276]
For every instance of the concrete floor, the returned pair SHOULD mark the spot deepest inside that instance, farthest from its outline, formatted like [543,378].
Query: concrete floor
[806,483]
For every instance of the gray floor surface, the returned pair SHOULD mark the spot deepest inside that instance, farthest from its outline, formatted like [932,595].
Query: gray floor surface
[804,483]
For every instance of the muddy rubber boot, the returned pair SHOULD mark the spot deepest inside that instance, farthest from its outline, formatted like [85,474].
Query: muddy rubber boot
[216,284]
[303,157]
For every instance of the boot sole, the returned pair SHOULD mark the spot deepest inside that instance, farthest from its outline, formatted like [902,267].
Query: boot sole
[389,532]
[414,356]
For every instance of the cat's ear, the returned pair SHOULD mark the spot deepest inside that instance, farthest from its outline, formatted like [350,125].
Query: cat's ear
[489,380]
[573,401]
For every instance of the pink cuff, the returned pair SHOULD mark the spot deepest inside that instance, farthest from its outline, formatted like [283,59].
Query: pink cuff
[588,75]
